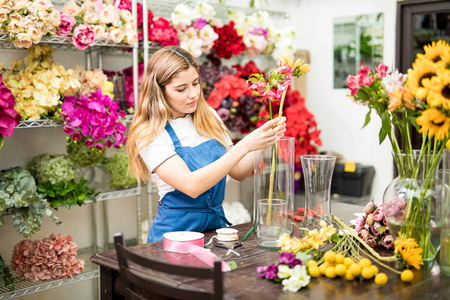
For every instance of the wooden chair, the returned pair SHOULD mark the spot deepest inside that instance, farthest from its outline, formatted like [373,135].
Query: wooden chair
[135,281]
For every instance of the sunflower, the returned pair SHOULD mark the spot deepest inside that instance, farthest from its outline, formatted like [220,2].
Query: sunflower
[423,69]
[439,89]
[435,123]
[412,257]
[437,52]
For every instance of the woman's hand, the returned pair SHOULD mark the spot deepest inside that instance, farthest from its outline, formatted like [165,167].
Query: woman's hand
[266,135]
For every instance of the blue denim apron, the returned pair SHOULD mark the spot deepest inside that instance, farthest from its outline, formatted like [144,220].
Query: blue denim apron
[179,212]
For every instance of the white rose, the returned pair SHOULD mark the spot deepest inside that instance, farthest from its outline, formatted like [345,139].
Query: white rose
[16,18]
[89,6]
[116,35]
[14,26]
[3,16]
[46,28]
[19,4]
[99,31]
[126,15]
[34,34]
[30,20]
[44,16]
[72,8]
[107,14]
[23,40]
[131,37]
[43,5]
[91,17]
[55,18]
[2,2]
[130,27]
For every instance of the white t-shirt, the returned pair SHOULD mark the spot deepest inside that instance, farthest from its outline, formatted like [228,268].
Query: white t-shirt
[162,148]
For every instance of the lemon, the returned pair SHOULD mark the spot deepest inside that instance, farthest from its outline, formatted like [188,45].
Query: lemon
[311,263]
[381,279]
[365,262]
[329,256]
[340,270]
[339,258]
[367,273]
[355,269]
[374,269]
[348,261]
[407,276]
[349,276]
[314,271]
[330,272]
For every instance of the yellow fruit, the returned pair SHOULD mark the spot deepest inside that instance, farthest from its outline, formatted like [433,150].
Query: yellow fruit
[340,270]
[407,276]
[348,261]
[365,262]
[355,269]
[349,276]
[329,256]
[381,279]
[330,272]
[311,263]
[314,271]
[339,258]
[322,268]
[374,269]
[367,273]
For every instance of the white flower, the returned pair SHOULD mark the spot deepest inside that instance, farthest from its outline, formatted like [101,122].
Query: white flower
[72,8]
[204,11]
[182,16]
[299,278]
[193,46]
[284,271]
[393,80]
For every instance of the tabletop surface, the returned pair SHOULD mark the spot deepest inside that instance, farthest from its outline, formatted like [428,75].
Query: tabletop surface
[245,283]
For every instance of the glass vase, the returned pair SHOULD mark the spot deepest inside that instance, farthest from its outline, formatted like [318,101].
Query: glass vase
[317,173]
[412,202]
[274,179]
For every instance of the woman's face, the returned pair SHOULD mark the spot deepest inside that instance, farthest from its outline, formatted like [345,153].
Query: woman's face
[183,91]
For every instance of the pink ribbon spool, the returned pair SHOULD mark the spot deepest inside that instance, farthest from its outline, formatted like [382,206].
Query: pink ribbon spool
[190,242]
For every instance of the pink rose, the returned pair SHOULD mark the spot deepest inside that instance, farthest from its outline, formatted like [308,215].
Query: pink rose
[369,208]
[374,228]
[371,241]
[359,223]
[363,234]
[67,23]
[387,241]
[83,37]
[378,214]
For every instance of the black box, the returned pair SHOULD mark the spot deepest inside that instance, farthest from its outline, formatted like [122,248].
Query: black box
[357,183]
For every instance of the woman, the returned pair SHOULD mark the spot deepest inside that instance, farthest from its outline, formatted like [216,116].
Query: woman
[183,143]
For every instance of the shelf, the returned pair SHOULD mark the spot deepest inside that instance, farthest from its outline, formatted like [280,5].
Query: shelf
[54,123]
[63,43]
[118,194]
[25,287]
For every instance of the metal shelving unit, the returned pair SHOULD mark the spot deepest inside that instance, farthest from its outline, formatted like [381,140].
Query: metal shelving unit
[54,123]
[23,287]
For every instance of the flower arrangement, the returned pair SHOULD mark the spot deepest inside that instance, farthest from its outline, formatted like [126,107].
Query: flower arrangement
[419,101]
[92,80]
[9,118]
[52,168]
[19,197]
[26,22]
[116,167]
[41,85]
[195,27]
[372,227]
[90,21]
[290,270]
[94,121]
[52,258]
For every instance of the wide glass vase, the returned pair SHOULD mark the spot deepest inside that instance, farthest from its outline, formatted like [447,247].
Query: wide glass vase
[274,179]
[412,202]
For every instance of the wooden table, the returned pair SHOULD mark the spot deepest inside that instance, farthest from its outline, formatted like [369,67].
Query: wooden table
[244,282]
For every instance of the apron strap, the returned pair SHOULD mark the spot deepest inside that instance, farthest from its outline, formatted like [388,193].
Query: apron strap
[173,136]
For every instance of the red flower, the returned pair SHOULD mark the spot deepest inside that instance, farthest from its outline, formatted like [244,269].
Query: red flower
[248,69]
[229,42]
[162,32]
[215,98]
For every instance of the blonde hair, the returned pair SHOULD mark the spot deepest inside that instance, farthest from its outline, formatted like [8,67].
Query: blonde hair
[153,111]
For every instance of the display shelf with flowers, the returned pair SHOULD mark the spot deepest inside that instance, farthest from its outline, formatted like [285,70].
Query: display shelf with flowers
[418,102]
[9,118]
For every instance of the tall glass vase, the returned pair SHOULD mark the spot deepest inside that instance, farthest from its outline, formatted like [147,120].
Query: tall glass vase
[412,202]
[274,180]
[317,172]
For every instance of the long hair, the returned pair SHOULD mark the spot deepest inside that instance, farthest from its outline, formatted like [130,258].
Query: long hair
[153,111]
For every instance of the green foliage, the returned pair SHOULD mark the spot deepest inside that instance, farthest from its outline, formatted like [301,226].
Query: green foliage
[67,193]
[83,156]
[52,167]
[6,279]
[19,197]
[116,166]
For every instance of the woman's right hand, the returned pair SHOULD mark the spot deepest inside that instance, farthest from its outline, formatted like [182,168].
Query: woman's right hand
[266,135]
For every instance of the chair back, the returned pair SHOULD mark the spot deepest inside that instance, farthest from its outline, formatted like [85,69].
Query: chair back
[135,280]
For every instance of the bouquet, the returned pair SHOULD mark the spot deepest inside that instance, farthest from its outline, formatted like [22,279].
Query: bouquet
[195,27]
[418,102]
[26,22]
[41,85]
[9,118]
[52,258]
[93,121]
[372,227]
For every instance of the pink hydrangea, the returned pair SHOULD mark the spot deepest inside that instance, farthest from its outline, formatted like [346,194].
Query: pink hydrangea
[83,37]
[52,258]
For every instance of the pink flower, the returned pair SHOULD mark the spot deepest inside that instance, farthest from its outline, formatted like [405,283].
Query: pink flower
[371,241]
[199,24]
[76,136]
[374,228]
[125,4]
[369,219]
[369,208]
[353,84]
[9,118]
[381,71]
[387,241]
[378,214]
[83,37]
[363,234]
[365,79]
[359,223]
[66,25]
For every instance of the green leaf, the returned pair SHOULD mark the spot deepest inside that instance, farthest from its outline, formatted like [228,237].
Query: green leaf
[335,237]
[367,118]
[233,265]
